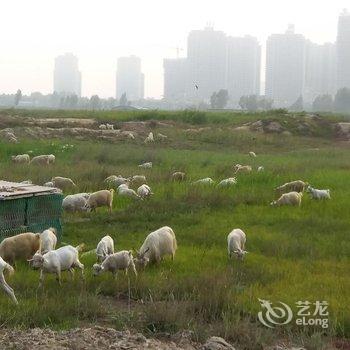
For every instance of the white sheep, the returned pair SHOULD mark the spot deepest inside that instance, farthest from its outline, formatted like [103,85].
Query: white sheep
[290,198]
[156,245]
[116,180]
[295,186]
[56,261]
[63,183]
[102,198]
[161,137]
[147,165]
[228,182]
[40,160]
[238,168]
[21,159]
[102,127]
[149,138]
[236,240]
[318,194]
[252,154]
[104,248]
[75,202]
[109,126]
[122,260]
[178,176]
[205,181]
[260,169]
[138,179]
[125,191]
[4,266]
[48,240]
[144,191]
[22,246]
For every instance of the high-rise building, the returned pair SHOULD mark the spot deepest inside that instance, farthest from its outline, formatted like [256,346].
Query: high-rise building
[343,50]
[243,67]
[67,77]
[206,53]
[129,78]
[320,70]
[175,78]
[285,67]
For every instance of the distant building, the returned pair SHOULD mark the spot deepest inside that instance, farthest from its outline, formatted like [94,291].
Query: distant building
[243,67]
[320,70]
[343,50]
[206,53]
[285,67]
[129,78]
[175,78]
[67,77]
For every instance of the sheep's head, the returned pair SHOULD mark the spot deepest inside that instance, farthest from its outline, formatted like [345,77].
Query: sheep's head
[240,253]
[37,261]
[309,189]
[141,260]
[97,269]
[87,207]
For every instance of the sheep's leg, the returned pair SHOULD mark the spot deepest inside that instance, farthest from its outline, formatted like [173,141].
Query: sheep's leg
[133,268]
[71,271]
[58,278]
[81,267]
[126,271]
[172,256]
[8,290]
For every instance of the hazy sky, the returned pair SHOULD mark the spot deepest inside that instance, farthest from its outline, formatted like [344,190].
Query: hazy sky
[34,32]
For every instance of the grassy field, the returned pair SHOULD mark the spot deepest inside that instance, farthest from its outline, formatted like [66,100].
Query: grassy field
[294,253]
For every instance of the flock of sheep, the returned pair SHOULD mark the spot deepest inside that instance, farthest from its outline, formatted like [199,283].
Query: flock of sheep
[39,248]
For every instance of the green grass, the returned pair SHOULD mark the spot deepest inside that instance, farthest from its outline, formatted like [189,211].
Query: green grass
[294,253]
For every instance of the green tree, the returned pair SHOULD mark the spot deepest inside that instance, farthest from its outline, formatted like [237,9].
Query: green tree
[18,97]
[95,102]
[323,103]
[219,99]
[342,100]
[123,100]
[249,103]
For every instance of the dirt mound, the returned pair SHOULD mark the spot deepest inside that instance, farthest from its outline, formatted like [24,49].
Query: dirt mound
[343,130]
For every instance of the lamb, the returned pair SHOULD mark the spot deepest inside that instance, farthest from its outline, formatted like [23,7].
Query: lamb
[125,191]
[56,261]
[138,179]
[147,165]
[144,191]
[63,183]
[4,266]
[100,199]
[156,245]
[48,240]
[205,181]
[290,198]
[22,246]
[227,182]
[149,138]
[102,127]
[109,126]
[252,154]
[178,176]
[21,159]
[116,180]
[260,169]
[122,260]
[296,186]
[40,160]
[242,168]
[236,240]
[318,194]
[104,248]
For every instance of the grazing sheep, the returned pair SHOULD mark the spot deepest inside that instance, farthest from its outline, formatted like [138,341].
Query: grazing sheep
[205,181]
[75,202]
[104,248]
[296,186]
[22,246]
[63,183]
[4,266]
[178,176]
[147,165]
[117,180]
[161,137]
[102,127]
[228,182]
[318,194]
[290,198]
[122,260]
[149,138]
[156,245]
[21,159]
[40,160]
[56,261]
[238,168]
[138,179]
[103,198]
[260,169]
[144,191]
[125,191]
[236,243]
[109,126]
[48,240]
[252,154]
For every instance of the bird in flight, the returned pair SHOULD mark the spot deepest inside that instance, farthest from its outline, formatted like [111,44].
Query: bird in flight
[196,86]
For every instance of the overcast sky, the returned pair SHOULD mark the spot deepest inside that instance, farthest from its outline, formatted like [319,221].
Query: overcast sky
[34,32]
